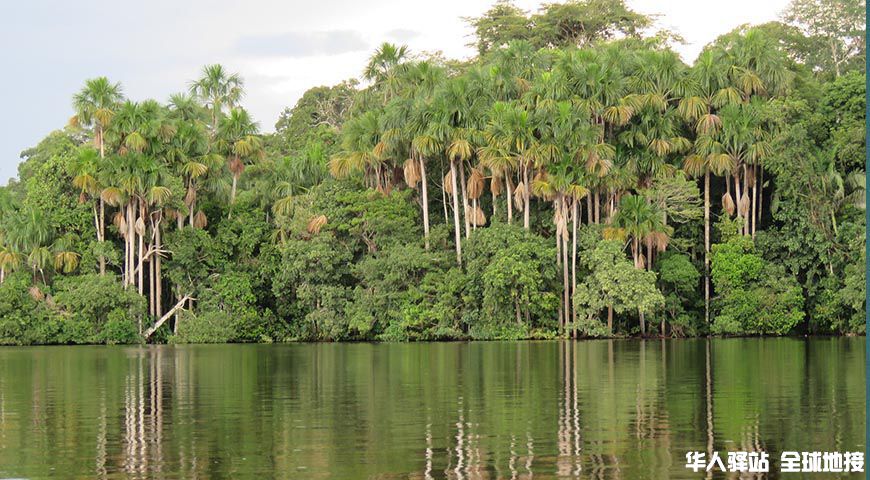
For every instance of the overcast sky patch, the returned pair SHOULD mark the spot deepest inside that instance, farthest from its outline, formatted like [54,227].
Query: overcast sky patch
[302,44]
[402,34]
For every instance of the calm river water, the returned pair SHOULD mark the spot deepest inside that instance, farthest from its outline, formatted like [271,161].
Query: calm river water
[595,409]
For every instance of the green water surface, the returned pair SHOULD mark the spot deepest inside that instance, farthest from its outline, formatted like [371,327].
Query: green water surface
[594,409]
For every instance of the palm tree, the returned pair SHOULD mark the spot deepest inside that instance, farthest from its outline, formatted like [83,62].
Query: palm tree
[218,89]
[239,140]
[511,133]
[638,221]
[87,171]
[382,67]
[95,105]
[359,137]
[188,153]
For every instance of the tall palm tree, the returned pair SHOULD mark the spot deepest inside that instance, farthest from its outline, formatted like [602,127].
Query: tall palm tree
[219,89]
[95,105]
[511,132]
[383,67]
[239,140]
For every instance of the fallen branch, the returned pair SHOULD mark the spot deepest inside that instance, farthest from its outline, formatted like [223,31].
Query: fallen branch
[164,318]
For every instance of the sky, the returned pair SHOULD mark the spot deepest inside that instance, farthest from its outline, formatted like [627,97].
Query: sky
[280,47]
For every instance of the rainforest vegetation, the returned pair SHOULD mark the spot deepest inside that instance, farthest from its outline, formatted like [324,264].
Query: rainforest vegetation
[576,178]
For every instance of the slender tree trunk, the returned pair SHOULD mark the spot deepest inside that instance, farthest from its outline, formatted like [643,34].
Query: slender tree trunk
[456,233]
[494,199]
[635,250]
[101,223]
[597,205]
[727,191]
[129,241]
[760,192]
[177,318]
[567,285]
[589,217]
[464,198]
[707,246]
[558,237]
[444,199]
[754,197]
[610,319]
[101,234]
[746,192]
[526,192]
[233,192]
[158,269]
[575,211]
[510,197]
[151,300]
[425,202]
[649,255]
[192,209]
[141,249]
[738,195]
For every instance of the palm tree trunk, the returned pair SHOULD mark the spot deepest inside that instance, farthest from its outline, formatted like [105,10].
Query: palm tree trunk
[754,197]
[464,199]
[526,191]
[574,213]
[129,245]
[510,197]
[141,250]
[760,192]
[456,233]
[707,246]
[444,198]
[567,286]
[192,210]
[649,255]
[728,191]
[151,307]
[737,193]
[589,216]
[597,206]
[101,234]
[158,270]
[425,190]
[101,227]
[635,251]
[746,192]
[494,199]
[233,192]
[558,237]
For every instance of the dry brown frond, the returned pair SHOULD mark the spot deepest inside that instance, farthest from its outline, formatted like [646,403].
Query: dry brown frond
[200,220]
[728,204]
[316,223]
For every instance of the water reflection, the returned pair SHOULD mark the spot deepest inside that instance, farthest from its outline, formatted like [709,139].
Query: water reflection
[604,409]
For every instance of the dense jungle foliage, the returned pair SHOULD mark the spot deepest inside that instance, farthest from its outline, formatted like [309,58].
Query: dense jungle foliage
[576,178]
